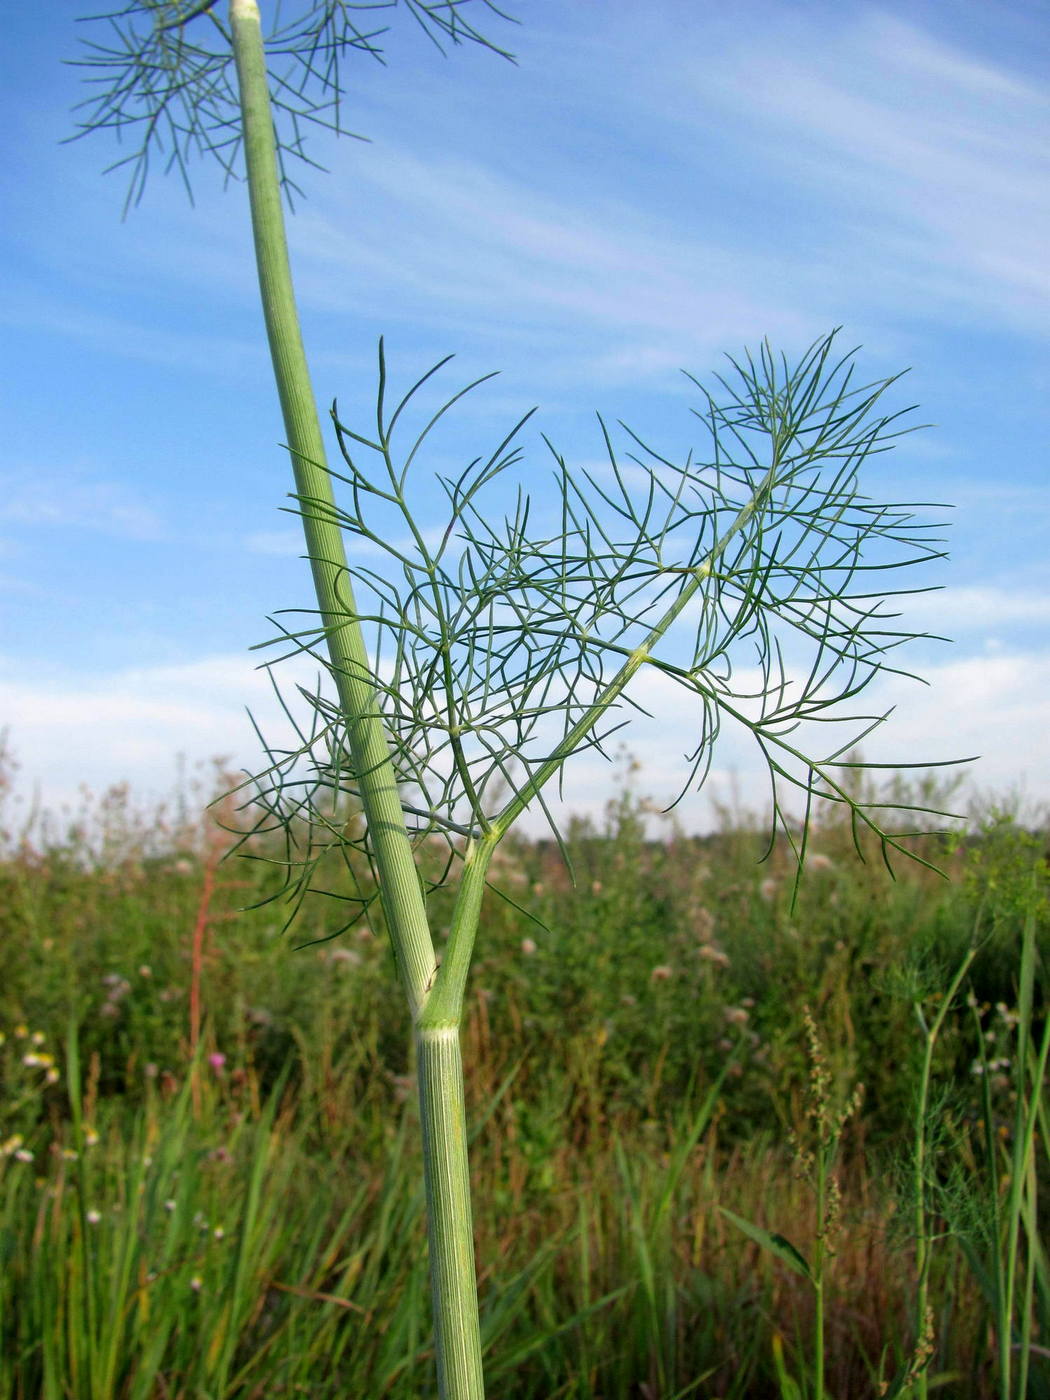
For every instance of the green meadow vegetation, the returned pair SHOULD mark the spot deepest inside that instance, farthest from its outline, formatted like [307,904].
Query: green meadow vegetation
[744,1117]
[737,1149]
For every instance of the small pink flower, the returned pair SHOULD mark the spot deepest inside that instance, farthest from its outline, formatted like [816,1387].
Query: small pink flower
[217,1059]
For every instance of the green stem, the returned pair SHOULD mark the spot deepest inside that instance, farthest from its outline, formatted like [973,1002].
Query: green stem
[400,891]
[445,1004]
[456,1325]
[452,1277]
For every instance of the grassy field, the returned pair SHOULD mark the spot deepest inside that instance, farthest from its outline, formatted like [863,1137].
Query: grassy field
[210,1180]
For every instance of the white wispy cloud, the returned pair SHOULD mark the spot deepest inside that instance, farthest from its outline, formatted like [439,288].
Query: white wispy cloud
[66,731]
[918,177]
[936,159]
[480,250]
[61,498]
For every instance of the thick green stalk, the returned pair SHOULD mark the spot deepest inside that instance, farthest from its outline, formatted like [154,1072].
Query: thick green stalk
[457,1334]
[399,884]
[456,1325]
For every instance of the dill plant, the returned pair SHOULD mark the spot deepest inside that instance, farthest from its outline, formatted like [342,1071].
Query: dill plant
[465,673]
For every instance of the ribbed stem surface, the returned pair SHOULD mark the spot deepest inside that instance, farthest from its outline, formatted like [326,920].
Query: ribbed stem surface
[453,1281]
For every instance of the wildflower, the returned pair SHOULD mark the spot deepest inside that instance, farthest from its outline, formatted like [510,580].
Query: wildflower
[218,1233]
[528,947]
[23,1154]
[68,1154]
[13,1143]
[710,953]
[596,887]
[345,955]
[30,1061]
[145,970]
[767,889]
[217,1059]
[90,1137]
[169,1205]
[151,1070]
[819,861]
[737,1015]
[196,1283]
[704,923]
[21,1031]
[183,867]
[93,1217]
[51,1077]
[661,973]
[38,1037]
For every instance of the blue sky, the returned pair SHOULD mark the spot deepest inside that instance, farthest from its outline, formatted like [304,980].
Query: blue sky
[650,187]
